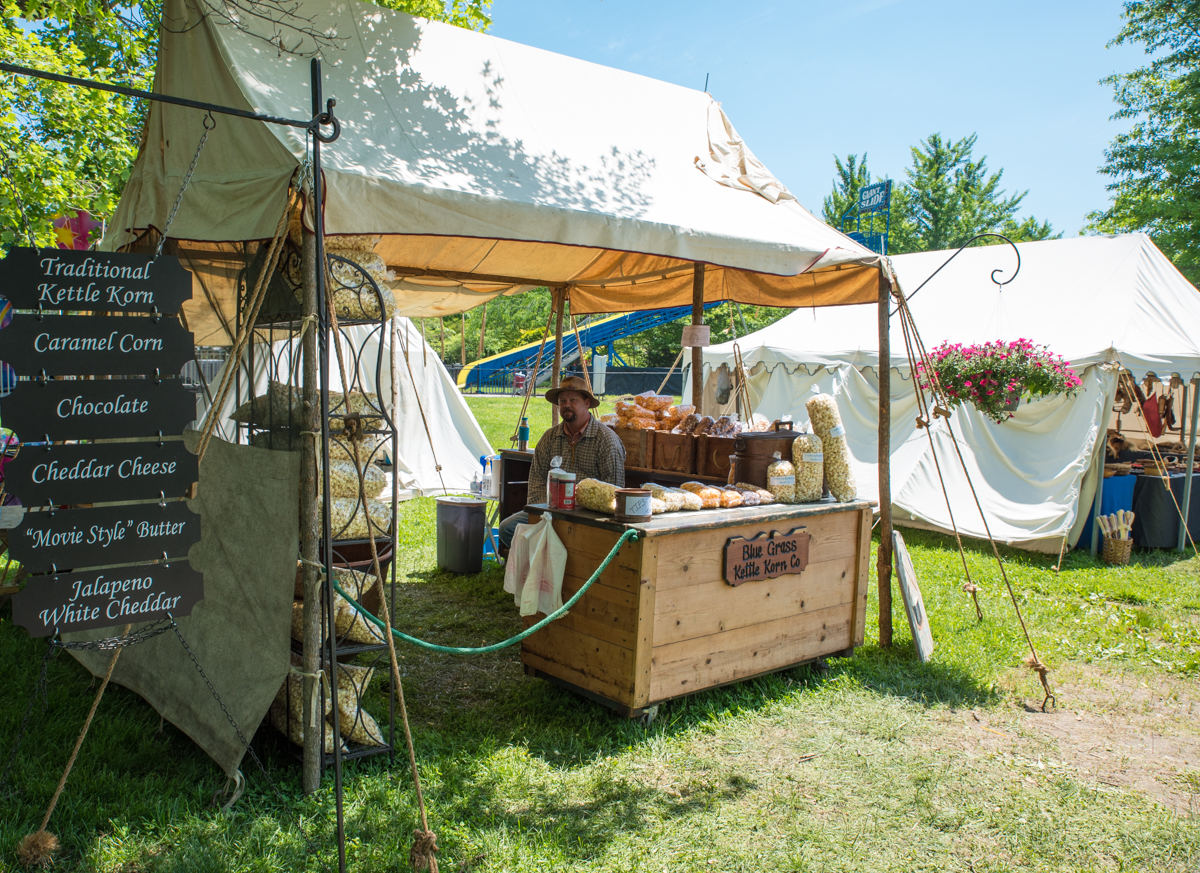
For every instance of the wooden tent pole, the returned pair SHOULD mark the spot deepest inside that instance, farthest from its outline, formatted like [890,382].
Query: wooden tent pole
[462,345]
[883,564]
[442,329]
[310,528]
[482,331]
[697,351]
[559,297]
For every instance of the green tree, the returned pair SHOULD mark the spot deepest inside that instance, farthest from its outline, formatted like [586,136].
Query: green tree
[947,197]
[64,148]
[1154,166]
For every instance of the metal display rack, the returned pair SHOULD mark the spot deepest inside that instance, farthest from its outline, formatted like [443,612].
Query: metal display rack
[275,423]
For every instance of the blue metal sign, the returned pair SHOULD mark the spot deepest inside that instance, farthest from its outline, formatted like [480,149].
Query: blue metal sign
[875,198]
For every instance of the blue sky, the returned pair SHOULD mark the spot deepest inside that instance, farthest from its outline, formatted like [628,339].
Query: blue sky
[804,81]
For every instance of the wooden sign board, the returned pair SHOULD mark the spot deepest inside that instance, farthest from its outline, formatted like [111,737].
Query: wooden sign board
[100,472]
[106,598]
[765,557]
[91,409]
[95,345]
[71,538]
[914,606]
[99,281]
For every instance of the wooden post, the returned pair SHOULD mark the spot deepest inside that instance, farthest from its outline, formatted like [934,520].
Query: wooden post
[482,331]
[559,298]
[697,351]
[442,329]
[1191,459]
[1098,497]
[883,566]
[310,529]
[462,351]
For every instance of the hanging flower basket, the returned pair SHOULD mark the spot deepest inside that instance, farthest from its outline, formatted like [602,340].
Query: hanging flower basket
[994,376]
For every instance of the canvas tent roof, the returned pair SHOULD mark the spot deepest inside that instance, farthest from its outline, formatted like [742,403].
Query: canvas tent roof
[476,157]
[426,398]
[1091,299]
[1095,300]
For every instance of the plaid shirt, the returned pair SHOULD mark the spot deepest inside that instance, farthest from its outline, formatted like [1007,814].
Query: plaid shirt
[599,454]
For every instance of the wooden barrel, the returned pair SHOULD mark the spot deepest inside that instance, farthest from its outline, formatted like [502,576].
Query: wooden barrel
[754,452]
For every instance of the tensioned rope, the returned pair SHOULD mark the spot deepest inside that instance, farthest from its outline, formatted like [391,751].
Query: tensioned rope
[244,333]
[924,422]
[916,349]
[531,382]
[417,394]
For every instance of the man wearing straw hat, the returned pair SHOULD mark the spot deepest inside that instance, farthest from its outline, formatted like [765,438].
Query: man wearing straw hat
[587,448]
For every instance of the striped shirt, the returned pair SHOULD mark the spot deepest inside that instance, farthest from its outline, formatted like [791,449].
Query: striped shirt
[598,454]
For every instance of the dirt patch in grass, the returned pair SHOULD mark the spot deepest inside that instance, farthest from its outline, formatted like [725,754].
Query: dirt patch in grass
[1111,731]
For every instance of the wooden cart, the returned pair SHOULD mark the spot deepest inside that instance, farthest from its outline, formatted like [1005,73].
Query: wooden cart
[662,621]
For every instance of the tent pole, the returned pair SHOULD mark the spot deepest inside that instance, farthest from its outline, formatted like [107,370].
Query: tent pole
[442,328]
[1187,482]
[559,297]
[697,351]
[883,565]
[482,332]
[1101,447]
[462,345]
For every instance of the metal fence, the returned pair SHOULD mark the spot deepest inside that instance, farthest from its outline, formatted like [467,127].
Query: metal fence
[617,380]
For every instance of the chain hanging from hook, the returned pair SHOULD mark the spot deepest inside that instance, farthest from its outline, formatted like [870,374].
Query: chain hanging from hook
[209,124]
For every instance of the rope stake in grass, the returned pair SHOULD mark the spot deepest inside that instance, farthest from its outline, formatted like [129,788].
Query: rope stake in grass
[39,847]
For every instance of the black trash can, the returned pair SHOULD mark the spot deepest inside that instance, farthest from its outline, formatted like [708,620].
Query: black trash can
[460,534]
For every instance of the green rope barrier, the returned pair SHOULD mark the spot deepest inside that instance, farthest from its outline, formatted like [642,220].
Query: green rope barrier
[495,647]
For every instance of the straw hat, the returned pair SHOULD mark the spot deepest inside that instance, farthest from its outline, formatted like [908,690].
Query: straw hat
[572,383]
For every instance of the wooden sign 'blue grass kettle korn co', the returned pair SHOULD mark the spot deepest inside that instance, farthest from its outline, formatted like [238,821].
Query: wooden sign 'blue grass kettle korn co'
[98,406]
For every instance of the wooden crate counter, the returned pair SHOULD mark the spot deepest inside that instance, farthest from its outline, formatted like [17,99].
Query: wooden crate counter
[662,621]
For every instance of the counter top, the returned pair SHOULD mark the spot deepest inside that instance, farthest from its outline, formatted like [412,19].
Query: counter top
[704,519]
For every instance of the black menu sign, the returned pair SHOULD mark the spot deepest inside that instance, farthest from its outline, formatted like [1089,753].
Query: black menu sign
[100,472]
[95,281]
[103,598]
[98,409]
[63,540]
[42,342]
[100,345]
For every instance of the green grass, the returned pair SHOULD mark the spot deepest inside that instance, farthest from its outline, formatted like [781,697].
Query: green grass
[877,763]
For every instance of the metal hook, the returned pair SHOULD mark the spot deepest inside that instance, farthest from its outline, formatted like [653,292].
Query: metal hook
[162,499]
[52,506]
[54,568]
[166,561]
[45,376]
[160,439]
[155,315]
[40,311]
[157,375]
[209,122]
[47,436]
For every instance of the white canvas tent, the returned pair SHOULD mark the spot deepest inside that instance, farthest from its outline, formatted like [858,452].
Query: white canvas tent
[1098,301]
[488,166]
[454,439]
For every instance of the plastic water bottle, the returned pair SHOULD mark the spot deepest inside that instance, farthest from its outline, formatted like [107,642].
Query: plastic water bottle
[485,486]
[474,483]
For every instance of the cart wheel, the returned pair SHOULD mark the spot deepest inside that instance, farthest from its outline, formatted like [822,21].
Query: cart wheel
[648,715]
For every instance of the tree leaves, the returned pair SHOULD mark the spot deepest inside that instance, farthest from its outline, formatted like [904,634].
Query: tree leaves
[948,197]
[1156,187]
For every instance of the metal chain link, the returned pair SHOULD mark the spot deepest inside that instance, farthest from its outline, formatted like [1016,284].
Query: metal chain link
[41,688]
[7,168]
[122,641]
[221,703]
[209,124]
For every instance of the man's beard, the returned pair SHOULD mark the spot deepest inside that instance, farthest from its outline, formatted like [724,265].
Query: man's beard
[567,414]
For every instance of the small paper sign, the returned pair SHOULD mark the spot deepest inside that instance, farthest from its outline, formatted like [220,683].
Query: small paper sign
[765,557]
[106,598]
